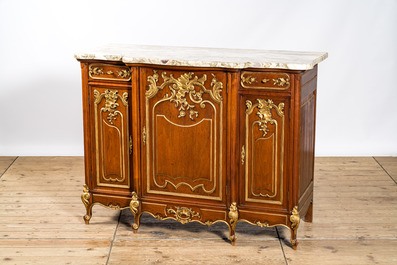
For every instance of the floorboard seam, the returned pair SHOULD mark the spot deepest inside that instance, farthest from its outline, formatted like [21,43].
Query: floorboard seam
[9,166]
[384,170]
[281,245]
[114,237]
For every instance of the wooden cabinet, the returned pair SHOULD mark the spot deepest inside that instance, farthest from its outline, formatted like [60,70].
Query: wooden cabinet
[200,144]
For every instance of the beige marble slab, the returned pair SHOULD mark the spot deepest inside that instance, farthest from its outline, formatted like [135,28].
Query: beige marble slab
[205,57]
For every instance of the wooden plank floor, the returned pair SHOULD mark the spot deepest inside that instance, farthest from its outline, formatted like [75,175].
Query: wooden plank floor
[355,217]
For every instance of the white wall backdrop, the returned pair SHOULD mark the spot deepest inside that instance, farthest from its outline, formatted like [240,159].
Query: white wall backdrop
[40,87]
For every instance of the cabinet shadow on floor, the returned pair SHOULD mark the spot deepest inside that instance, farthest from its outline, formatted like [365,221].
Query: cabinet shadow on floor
[170,228]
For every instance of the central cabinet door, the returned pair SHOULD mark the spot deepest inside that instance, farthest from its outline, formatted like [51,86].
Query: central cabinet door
[183,133]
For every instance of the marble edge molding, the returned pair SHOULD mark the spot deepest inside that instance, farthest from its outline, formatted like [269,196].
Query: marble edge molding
[215,64]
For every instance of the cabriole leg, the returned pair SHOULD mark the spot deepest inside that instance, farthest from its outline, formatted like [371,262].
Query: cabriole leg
[135,209]
[232,234]
[295,220]
[137,222]
[294,241]
[86,199]
[233,217]
[88,215]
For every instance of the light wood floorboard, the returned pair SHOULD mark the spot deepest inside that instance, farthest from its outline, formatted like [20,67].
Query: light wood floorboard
[5,162]
[354,221]
[41,215]
[389,164]
[202,251]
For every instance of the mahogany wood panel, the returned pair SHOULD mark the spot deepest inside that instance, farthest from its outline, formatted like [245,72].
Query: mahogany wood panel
[265,80]
[109,72]
[110,131]
[307,140]
[308,75]
[308,89]
[184,121]
[307,143]
[264,128]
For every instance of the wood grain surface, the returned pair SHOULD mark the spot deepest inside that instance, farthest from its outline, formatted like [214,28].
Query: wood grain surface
[354,219]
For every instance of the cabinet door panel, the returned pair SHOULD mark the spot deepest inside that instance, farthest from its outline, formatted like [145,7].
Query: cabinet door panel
[109,108]
[184,133]
[264,129]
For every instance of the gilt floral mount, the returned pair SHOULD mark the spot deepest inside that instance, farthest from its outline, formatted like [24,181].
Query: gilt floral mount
[183,91]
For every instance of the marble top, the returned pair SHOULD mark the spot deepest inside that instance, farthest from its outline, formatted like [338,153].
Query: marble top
[205,57]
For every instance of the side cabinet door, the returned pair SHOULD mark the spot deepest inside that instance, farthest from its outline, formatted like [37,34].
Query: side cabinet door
[111,138]
[264,129]
[183,134]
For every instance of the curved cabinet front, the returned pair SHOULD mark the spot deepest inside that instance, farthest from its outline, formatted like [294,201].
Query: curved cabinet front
[183,134]
[202,145]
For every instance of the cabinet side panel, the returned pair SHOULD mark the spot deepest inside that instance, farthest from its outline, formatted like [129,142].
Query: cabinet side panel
[135,129]
[307,133]
[233,139]
[308,75]
[86,123]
